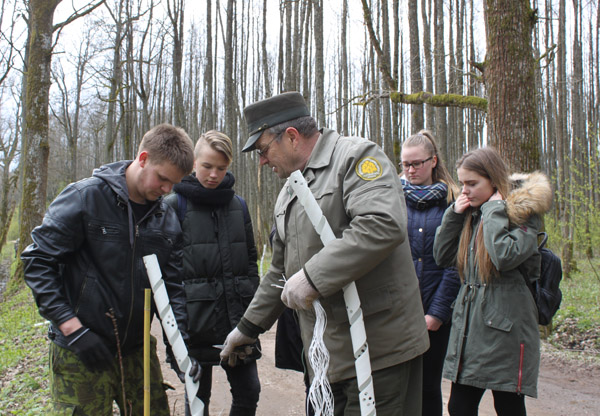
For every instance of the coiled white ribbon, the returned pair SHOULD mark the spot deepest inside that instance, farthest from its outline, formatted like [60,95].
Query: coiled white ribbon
[358,334]
[167,317]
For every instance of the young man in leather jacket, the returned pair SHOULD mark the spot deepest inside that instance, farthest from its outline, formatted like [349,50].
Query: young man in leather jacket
[87,275]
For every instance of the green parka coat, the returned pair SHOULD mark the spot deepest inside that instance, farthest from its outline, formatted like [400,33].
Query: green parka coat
[494,341]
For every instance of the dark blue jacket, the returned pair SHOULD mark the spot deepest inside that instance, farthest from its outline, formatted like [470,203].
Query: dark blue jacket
[439,287]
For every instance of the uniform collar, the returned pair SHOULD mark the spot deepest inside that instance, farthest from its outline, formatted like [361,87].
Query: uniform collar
[322,152]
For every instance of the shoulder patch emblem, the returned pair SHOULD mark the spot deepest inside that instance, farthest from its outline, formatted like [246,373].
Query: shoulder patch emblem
[368,168]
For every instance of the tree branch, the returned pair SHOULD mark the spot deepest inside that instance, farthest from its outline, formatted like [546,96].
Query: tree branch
[423,97]
[78,13]
[385,71]
[441,100]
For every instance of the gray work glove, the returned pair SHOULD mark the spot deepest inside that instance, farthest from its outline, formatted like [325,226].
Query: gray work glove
[298,293]
[235,339]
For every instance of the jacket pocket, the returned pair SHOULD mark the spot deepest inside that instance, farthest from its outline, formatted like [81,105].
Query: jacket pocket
[245,289]
[495,319]
[102,231]
[202,307]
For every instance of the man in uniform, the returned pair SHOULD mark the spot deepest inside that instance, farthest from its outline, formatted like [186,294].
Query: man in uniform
[87,275]
[359,192]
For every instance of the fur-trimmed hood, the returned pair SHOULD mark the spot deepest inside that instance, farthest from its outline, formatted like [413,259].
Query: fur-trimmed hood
[531,194]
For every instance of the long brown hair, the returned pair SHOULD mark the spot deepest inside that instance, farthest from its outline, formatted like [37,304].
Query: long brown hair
[439,173]
[485,162]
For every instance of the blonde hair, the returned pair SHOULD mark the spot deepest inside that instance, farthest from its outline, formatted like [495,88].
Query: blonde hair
[425,139]
[217,141]
[486,162]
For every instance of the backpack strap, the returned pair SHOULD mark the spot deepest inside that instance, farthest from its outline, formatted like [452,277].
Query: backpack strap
[181,207]
[244,209]
[530,285]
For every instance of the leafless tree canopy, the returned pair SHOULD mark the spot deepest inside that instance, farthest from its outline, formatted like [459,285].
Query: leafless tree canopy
[79,86]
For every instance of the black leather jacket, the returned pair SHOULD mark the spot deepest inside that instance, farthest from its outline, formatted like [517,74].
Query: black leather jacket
[86,259]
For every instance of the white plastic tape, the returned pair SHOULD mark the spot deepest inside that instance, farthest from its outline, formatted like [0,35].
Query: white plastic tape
[362,362]
[161,299]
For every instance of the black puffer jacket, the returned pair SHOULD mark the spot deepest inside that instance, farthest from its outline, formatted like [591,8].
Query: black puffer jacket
[86,258]
[219,262]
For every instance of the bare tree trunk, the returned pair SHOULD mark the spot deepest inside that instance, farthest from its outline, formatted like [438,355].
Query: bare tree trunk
[430,113]
[128,101]
[562,142]
[397,63]
[459,135]
[35,146]
[8,149]
[209,123]
[510,78]
[70,123]
[306,62]
[342,99]
[230,95]
[474,117]
[440,76]
[416,82]
[115,81]
[143,79]
[386,119]
[265,55]
[319,63]
[175,12]
[289,82]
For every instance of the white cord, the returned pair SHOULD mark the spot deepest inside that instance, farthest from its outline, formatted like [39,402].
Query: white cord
[319,394]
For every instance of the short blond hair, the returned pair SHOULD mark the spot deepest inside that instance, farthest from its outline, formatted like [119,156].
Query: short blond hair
[216,140]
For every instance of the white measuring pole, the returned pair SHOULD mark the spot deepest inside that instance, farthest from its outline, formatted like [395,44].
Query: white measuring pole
[161,299]
[358,334]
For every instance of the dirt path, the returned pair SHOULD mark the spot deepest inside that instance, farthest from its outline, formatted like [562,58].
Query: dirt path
[565,389]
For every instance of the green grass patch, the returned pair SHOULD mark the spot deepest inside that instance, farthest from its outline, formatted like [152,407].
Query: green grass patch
[576,325]
[581,297]
[23,356]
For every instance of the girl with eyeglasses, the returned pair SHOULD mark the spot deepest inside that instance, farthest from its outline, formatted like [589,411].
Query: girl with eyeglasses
[428,190]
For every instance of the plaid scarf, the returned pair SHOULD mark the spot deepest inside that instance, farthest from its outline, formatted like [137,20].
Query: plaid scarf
[425,196]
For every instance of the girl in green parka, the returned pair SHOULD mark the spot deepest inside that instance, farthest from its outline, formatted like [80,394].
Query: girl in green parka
[490,234]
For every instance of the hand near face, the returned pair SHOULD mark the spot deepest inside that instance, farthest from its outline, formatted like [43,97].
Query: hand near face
[461,204]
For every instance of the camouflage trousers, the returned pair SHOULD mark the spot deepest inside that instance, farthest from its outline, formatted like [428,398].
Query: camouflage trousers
[79,391]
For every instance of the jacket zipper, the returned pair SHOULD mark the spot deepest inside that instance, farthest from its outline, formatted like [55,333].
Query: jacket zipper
[521,355]
[136,235]
[133,257]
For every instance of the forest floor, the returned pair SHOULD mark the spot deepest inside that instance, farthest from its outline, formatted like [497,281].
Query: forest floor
[567,386]
[569,380]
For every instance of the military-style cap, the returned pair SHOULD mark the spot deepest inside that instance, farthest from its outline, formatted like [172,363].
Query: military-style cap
[272,111]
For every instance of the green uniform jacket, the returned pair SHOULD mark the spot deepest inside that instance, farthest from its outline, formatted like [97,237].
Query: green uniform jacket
[357,188]
[494,341]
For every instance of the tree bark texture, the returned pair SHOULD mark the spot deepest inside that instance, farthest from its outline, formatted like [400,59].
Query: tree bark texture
[510,82]
[35,148]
